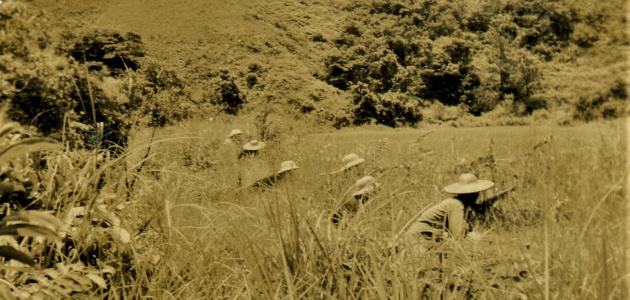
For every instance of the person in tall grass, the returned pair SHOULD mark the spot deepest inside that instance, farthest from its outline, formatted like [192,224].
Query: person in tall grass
[449,218]
[252,148]
[286,169]
[232,146]
[363,188]
[234,138]
[349,162]
[351,168]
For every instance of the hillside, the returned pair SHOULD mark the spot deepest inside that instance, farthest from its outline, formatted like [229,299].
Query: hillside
[566,57]
[197,36]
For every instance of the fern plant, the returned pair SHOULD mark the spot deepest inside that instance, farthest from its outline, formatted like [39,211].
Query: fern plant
[25,235]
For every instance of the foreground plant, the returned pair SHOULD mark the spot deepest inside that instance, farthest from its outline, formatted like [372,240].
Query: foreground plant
[35,265]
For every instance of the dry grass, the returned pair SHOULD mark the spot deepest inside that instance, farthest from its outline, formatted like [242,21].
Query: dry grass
[559,236]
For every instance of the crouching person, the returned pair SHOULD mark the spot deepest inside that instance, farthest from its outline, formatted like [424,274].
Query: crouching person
[363,188]
[447,219]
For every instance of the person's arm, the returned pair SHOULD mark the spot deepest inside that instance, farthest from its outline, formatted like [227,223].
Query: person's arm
[456,222]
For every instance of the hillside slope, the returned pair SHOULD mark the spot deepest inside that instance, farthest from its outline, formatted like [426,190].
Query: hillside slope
[289,44]
[197,36]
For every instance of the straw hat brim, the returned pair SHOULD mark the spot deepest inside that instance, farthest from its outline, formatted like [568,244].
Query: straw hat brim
[349,165]
[459,188]
[363,191]
[367,189]
[287,169]
[251,147]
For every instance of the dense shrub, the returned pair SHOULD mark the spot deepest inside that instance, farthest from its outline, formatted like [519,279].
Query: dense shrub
[584,35]
[473,54]
[88,78]
[604,103]
[226,94]
[391,109]
[110,49]
[48,89]
[166,98]
[38,83]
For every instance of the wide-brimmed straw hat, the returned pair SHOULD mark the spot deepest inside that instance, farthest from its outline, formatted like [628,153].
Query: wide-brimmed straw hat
[349,161]
[235,132]
[365,185]
[288,165]
[254,145]
[468,183]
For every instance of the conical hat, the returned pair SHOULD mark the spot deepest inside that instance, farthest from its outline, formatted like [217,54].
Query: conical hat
[468,183]
[254,145]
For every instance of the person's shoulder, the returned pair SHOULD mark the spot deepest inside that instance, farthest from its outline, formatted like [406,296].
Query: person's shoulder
[452,202]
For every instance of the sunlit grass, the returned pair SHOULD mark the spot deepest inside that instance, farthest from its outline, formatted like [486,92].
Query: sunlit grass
[560,235]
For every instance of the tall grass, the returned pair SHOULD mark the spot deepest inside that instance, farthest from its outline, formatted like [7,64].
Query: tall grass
[559,236]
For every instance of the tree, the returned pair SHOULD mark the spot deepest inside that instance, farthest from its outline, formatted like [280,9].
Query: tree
[226,94]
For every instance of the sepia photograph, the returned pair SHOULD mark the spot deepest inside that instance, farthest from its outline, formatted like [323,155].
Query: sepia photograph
[314,149]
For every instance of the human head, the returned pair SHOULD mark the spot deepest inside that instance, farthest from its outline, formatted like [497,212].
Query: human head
[468,187]
[349,161]
[235,134]
[364,186]
[253,146]
[468,199]
[287,166]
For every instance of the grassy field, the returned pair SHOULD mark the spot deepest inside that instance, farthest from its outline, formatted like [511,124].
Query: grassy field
[172,216]
[560,235]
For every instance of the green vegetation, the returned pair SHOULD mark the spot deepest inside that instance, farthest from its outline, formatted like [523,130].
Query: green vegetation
[558,234]
[456,62]
[115,181]
[481,54]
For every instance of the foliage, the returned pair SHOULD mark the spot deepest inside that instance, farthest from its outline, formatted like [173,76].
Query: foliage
[166,100]
[96,80]
[391,109]
[226,94]
[598,104]
[110,49]
[48,90]
[35,80]
[471,53]
[28,235]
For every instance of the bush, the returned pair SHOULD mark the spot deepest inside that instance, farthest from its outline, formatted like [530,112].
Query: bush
[607,103]
[438,113]
[110,49]
[392,109]
[226,94]
[38,85]
[40,91]
[476,54]
[584,35]
[166,100]
[49,89]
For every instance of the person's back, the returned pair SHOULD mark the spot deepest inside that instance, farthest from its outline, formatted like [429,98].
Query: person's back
[364,186]
[448,215]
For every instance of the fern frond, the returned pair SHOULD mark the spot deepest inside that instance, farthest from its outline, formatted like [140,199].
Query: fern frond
[26,146]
